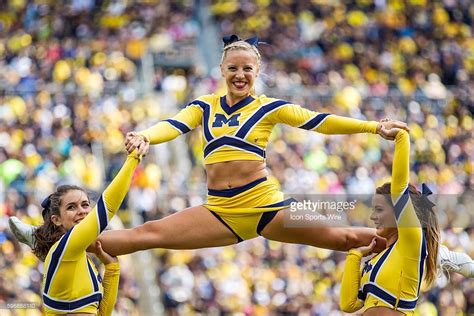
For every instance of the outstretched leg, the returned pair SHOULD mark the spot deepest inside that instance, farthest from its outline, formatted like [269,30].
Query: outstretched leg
[192,228]
[335,238]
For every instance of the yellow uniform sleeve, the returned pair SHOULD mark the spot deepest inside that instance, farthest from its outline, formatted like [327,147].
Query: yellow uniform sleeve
[297,116]
[348,301]
[409,228]
[110,283]
[186,120]
[83,234]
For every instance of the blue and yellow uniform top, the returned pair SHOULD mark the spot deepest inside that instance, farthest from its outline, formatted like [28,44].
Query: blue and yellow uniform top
[241,131]
[71,283]
[392,278]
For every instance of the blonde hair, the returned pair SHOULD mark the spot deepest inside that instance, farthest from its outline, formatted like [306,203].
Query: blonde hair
[243,45]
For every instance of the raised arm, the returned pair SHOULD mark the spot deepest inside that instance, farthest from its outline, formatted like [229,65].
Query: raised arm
[408,224]
[83,234]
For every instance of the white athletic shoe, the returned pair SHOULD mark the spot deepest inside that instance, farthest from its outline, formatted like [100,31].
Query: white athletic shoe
[23,232]
[458,262]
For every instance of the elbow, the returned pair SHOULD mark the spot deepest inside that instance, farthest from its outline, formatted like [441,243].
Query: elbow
[347,307]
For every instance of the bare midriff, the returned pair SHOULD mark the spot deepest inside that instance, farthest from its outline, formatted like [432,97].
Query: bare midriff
[232,174]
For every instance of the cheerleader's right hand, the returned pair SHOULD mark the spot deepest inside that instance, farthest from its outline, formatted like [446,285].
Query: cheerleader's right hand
[133,141]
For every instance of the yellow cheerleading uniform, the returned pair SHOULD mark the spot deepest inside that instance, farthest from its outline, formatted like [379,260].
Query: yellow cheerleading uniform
[247,209]
[71,283]
[392,278]
[241,132]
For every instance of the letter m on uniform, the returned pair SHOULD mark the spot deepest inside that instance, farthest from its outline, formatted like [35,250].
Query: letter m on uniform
[221,119]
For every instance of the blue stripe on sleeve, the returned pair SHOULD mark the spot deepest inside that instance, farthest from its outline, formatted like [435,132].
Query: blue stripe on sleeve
[401,203]
[205,120]
[315,121]
[180,126]
[102,214]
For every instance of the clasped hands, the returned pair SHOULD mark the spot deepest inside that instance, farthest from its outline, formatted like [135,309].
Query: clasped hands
[133,141]
[388,128]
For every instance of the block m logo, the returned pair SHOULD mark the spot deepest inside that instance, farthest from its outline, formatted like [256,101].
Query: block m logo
[220,120]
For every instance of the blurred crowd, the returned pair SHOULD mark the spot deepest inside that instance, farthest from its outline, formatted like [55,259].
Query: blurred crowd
[71,82]
[69,72]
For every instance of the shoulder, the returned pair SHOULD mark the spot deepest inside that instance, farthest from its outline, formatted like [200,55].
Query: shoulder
[208,98]
[264,99]
[271,102]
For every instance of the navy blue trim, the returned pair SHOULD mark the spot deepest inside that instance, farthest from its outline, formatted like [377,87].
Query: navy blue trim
[231,109]
[234,191]
[379,263]
[93,276]
[182,127]
[401,203]
[102,212]
[225,140]
[286,202]
[242,133]
[70,306]
[205,120]
[54,262]
[314,121]
[264,220]
[374,289]
[226,225]
[423,255]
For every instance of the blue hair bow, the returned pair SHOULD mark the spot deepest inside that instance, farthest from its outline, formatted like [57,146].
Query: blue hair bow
[229,39]
[425,191]
[45,205]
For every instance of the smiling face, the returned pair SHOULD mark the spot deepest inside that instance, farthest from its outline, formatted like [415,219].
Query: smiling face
[383,216]
[74,207]
[239,68]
